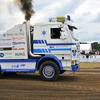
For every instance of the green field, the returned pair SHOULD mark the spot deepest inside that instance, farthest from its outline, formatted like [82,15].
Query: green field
[89,65]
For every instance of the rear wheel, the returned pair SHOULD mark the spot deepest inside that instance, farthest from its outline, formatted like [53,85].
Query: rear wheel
[49,71]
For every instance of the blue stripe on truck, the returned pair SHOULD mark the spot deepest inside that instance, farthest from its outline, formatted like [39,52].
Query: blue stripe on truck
[50,44]
[49,50]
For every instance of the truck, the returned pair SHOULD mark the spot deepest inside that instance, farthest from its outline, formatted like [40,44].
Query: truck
[50,48]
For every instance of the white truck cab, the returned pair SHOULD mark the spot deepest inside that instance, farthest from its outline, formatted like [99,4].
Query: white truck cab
[50,48]
[57,39]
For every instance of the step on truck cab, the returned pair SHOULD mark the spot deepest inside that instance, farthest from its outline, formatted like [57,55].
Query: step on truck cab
[50,48]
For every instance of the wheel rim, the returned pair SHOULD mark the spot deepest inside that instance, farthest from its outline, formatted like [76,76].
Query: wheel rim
[48,71]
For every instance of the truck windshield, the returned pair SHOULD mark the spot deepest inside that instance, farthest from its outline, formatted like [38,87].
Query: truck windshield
[72,32]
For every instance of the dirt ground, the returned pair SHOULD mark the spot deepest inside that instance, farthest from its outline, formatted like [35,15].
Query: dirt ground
[90,65]
[67,87]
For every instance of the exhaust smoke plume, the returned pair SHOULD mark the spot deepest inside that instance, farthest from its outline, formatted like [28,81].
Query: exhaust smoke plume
[26,7]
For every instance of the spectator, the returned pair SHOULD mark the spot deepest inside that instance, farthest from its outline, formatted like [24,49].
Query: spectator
[90,53]
[87,55]
[83,53]
[93,53]
[97,53]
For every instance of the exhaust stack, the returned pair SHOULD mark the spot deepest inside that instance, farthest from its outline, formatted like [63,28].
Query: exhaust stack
[29,40]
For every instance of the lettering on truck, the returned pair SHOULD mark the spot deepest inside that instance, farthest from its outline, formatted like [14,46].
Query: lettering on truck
[19,65]
[5,44]
[5,39]
[15,43]
[18,49]
[19,54]
[18,38]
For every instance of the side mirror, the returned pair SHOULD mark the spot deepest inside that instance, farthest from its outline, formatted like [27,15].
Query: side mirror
[63,35]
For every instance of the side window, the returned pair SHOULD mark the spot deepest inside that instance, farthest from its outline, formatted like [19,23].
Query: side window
[55,33]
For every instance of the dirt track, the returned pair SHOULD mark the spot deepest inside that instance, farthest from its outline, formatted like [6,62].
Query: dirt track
[67,87]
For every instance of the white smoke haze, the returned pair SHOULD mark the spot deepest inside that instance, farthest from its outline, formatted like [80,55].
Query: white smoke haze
[10,0]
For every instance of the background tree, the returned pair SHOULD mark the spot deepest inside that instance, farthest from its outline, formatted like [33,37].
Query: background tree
[83,42]
[98,46]
[94,45]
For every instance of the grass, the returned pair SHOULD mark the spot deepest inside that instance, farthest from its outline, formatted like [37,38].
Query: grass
[89,65]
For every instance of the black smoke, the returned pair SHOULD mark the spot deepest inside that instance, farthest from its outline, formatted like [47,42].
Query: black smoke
[26,7]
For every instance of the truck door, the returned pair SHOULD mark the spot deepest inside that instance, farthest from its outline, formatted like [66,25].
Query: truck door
[41,39]
[57,44]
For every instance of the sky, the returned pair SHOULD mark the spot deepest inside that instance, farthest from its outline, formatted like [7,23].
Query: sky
[84,13]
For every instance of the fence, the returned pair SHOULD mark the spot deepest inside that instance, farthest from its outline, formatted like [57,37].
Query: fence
[91,58]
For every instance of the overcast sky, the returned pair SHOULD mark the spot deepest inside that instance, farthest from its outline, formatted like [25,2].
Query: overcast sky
[85,14]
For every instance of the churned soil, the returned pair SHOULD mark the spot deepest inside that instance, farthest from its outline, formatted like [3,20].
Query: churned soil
[67,87]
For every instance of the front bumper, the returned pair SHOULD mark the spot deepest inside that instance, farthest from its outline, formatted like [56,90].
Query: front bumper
[75,68]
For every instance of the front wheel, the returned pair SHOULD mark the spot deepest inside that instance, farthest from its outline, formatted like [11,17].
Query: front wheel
[49,71]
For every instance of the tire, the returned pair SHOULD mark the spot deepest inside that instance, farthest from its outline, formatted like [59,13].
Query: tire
[49,71]
[62,71]
[1,75]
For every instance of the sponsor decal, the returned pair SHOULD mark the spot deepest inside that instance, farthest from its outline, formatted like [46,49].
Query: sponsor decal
[44,32]
[18,38]
[19,54]
[8,53]
[15,43]
[21,34]
[8,57]
[5,48]
[19,65]
[74,54]
[1,55]
[11,34]
[18,49]
[5,44]
[5,55]
[5,39]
